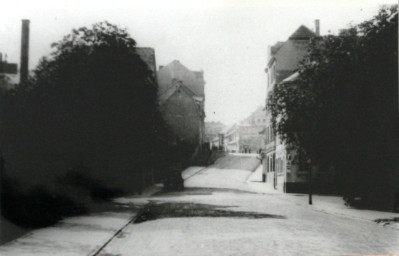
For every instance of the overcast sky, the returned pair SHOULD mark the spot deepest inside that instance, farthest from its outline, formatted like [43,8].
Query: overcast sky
[227,39]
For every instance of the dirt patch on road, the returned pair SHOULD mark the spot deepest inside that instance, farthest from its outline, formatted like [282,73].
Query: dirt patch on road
[186,210]
[387,221]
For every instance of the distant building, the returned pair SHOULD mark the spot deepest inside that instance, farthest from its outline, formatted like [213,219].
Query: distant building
[9,77]
[217,142]
[245,136]
[282,167]
[212,130]
[232,139]
[181,97]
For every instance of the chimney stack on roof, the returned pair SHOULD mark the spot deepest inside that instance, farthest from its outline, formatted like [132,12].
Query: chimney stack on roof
[24,52]
[317,27]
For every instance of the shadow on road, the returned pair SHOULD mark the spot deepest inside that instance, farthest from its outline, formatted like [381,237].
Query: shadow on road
[186,210]
[387,221]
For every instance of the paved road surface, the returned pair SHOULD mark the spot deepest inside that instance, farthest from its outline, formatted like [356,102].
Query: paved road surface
[204,221]
[216,221]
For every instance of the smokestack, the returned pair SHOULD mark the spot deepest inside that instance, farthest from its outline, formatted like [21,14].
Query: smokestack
[24,52]
[317,27]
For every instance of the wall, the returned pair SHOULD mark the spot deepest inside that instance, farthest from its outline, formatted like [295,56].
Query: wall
[181,115]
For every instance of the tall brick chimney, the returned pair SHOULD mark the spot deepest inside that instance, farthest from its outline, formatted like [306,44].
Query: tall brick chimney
[24,71]
[317,27]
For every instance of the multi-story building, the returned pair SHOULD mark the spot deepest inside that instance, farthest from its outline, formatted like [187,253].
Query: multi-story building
[181,98]
[212,130]
[232,138]
[244,137]
[281,165]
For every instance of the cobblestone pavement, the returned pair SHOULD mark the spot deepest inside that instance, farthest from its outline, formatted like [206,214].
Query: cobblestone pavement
[173,229]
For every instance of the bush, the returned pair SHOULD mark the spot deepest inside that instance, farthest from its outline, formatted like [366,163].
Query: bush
[78,177]
[173,180]
[36,208]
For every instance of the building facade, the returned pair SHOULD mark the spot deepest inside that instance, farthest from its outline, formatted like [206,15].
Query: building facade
[181,95]
[245,137]
[212,130]
[281,162]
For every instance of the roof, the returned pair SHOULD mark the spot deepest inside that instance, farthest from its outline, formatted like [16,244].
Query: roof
[276,47]
[175,70]
[289,53]
[176,86]
[302,33]
[199,74]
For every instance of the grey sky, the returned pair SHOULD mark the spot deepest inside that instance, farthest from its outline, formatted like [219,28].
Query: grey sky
[227,39]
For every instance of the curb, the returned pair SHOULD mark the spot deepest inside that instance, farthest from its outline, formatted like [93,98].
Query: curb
[341,215]
[131,219]
[195,173]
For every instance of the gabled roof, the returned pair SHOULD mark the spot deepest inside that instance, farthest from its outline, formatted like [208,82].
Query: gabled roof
[194,80]
[302,33]
[175,87]
[276,47]
[290,47]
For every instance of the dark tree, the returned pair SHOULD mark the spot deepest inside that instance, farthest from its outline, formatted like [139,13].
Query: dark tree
[342,111]
[88,118]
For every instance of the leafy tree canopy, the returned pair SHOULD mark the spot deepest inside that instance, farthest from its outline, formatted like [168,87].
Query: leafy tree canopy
[92,102]
[342,110]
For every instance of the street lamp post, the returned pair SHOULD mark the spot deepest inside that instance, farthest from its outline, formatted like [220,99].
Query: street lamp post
[310,180]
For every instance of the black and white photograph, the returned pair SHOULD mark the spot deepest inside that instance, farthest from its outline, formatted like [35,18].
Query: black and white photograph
[199,128]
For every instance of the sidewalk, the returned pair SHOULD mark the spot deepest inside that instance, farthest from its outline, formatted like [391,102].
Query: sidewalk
[191,171]
[256,184]
[321,203]
[81,235]
[335,205]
